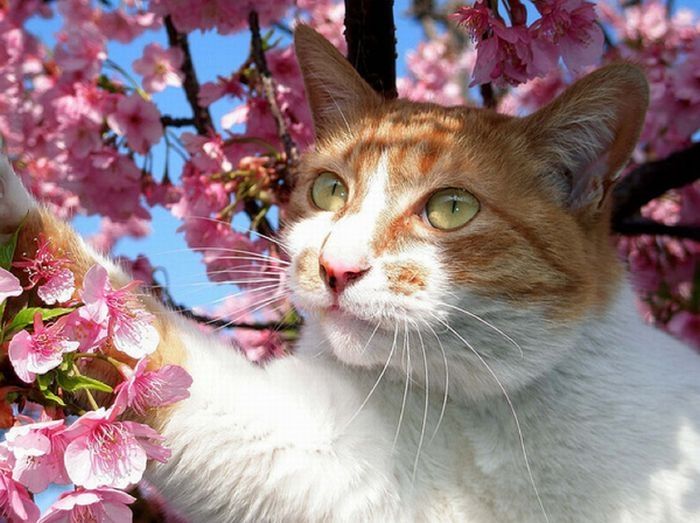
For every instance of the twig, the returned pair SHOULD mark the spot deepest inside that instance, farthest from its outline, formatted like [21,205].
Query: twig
[222,323]
[653,179]
[268,86]
[202,117]
[487,95]
[170,121]
[643,226]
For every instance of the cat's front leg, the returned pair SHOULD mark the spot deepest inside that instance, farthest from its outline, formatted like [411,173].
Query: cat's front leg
[274,443]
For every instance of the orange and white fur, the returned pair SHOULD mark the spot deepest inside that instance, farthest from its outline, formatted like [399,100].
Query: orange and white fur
[498,372]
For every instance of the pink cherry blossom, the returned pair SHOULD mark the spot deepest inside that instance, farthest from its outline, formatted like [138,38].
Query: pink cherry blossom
[686,326]
[128,324]
[160,67]
[41,351]
[56,282]
[9,285]
[79,327]
[571,25]
[476,18]
[124,27]
[16,505]
[38,449]
[210,92]
[137,120]
[104,452]
[100,505]
[144,389]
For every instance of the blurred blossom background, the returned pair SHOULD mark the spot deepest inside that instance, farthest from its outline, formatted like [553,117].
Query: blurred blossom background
[168,140]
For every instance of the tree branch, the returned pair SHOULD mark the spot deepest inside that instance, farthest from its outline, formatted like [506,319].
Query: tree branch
[202,117]
[640,226]
[170,121]
[222,323]
[268,86]
[370,34]
[653,179]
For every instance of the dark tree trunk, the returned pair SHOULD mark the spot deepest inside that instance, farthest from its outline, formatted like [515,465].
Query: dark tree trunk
[370,34]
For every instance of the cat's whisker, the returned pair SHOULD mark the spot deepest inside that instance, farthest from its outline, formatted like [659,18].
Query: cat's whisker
[488,324]
[407,353]
[446,388]
[250,256]
[253,231]
[241,270]
[223,282]
[369,340]
[252,268]
[261,256]
[261,305]
[212,319]
[510,406]
[425,406]
[265,289]
[376,383]
[192,291]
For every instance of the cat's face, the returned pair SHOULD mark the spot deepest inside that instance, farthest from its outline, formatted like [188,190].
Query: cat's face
[453,231]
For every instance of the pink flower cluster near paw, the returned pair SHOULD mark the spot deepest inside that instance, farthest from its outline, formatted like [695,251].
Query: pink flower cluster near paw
[106,452]
[16,504]
[50,272]
[40,351]
[104,505]
[128,324]
[38,450]
[148,389]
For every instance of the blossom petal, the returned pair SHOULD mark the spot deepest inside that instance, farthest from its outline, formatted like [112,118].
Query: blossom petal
[136,337]
[9,285]
[58,289]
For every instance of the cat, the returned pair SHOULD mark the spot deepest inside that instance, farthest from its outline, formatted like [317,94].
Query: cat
[471,350]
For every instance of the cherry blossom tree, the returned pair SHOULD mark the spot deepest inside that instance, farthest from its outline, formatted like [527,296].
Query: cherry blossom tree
[84,132]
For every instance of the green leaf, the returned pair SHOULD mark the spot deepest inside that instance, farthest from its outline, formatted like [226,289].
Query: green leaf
[74,383]
[26,316]
[53,397]
[7,249]
[44,381]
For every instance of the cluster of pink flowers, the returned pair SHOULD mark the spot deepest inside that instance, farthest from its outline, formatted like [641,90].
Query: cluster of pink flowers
[100,453]
[515,53]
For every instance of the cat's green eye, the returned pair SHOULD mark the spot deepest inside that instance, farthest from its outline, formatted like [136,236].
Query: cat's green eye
[451,208]
[328,192]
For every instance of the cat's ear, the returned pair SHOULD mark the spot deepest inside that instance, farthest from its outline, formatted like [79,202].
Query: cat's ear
[586,136]
[336,92]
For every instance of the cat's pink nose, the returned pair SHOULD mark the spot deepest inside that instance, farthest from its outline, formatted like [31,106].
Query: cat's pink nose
[338,274]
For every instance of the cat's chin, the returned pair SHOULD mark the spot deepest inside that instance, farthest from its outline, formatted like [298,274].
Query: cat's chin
[353,340]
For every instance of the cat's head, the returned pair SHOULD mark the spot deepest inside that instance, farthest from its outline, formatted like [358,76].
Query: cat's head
[474,236]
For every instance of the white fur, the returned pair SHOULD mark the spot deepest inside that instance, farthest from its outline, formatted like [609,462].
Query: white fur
[611,434]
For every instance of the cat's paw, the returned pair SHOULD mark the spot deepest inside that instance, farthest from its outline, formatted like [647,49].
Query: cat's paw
[15,201]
